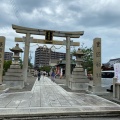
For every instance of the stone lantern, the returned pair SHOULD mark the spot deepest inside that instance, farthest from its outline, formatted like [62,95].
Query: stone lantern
[14,76]
[16,50]
[79,79]
[79,54]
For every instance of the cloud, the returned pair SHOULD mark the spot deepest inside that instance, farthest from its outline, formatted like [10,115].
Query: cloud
[96,18]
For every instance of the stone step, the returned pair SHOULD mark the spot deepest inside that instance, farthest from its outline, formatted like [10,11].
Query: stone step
[78,73]
[79,76]
[15,67]
[78,80]
[15,70]
[14,78]
[13,74]
[78,69]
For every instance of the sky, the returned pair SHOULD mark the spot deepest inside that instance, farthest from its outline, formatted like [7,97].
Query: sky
[97,18]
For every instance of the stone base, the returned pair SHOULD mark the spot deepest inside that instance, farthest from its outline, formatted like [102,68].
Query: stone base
[98,90]
[14,77]
[12,84]
[14,66]
[116,99]
[77,85]
[3,88]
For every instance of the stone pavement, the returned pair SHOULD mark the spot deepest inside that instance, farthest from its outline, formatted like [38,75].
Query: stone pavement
[48,98]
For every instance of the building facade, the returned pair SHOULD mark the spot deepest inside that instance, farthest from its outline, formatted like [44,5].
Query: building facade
[8,55]
[113,61]
[44,55]
[110,64]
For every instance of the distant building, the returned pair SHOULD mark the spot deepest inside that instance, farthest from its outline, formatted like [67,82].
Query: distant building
[8,55]
[44,55]
[53,62]
[113,61]
[61,64]
[110,64]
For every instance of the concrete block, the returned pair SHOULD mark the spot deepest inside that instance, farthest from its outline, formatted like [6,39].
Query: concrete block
[12,84]
[98,90]
[77,85]
[14,78]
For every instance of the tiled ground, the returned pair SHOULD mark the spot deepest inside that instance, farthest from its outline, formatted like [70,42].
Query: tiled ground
[48,97]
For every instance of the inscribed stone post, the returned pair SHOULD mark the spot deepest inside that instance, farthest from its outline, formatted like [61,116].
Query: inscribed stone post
[97,62]
[2,47]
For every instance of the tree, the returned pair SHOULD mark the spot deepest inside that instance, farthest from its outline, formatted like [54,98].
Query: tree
[6,66]
[29,63]
[21,63]
[45,68]
[73,52]
[87,58]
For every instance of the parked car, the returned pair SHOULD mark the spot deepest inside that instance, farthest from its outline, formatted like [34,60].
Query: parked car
[107,79]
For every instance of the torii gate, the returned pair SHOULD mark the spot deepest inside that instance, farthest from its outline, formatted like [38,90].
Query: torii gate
[48,40]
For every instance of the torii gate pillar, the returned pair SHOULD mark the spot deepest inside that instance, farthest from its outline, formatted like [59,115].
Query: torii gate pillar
[26,56]
[68,63]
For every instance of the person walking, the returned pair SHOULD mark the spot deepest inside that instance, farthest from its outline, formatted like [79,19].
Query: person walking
[44,73]
[39,75]
[53,76]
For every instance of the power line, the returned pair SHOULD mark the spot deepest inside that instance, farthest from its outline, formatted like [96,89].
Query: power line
[16,11]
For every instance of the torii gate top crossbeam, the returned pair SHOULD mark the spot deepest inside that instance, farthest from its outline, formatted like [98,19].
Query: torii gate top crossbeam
[25,30]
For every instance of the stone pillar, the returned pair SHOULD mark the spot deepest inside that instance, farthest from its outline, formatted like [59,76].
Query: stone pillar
[97,62]
[114,90]
[26,56]
[68,63]
[2,47]
[95,86]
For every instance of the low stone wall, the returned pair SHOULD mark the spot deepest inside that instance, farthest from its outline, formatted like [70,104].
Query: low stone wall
[116,90]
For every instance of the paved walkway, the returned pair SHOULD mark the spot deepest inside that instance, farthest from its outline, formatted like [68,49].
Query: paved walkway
[46,97]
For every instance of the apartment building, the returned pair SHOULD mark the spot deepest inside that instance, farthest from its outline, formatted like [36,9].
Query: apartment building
[44,55]
[8,55]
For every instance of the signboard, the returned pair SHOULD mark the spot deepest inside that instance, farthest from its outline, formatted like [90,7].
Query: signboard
[2,47]
[97,62]
[117,71]
[49,36]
